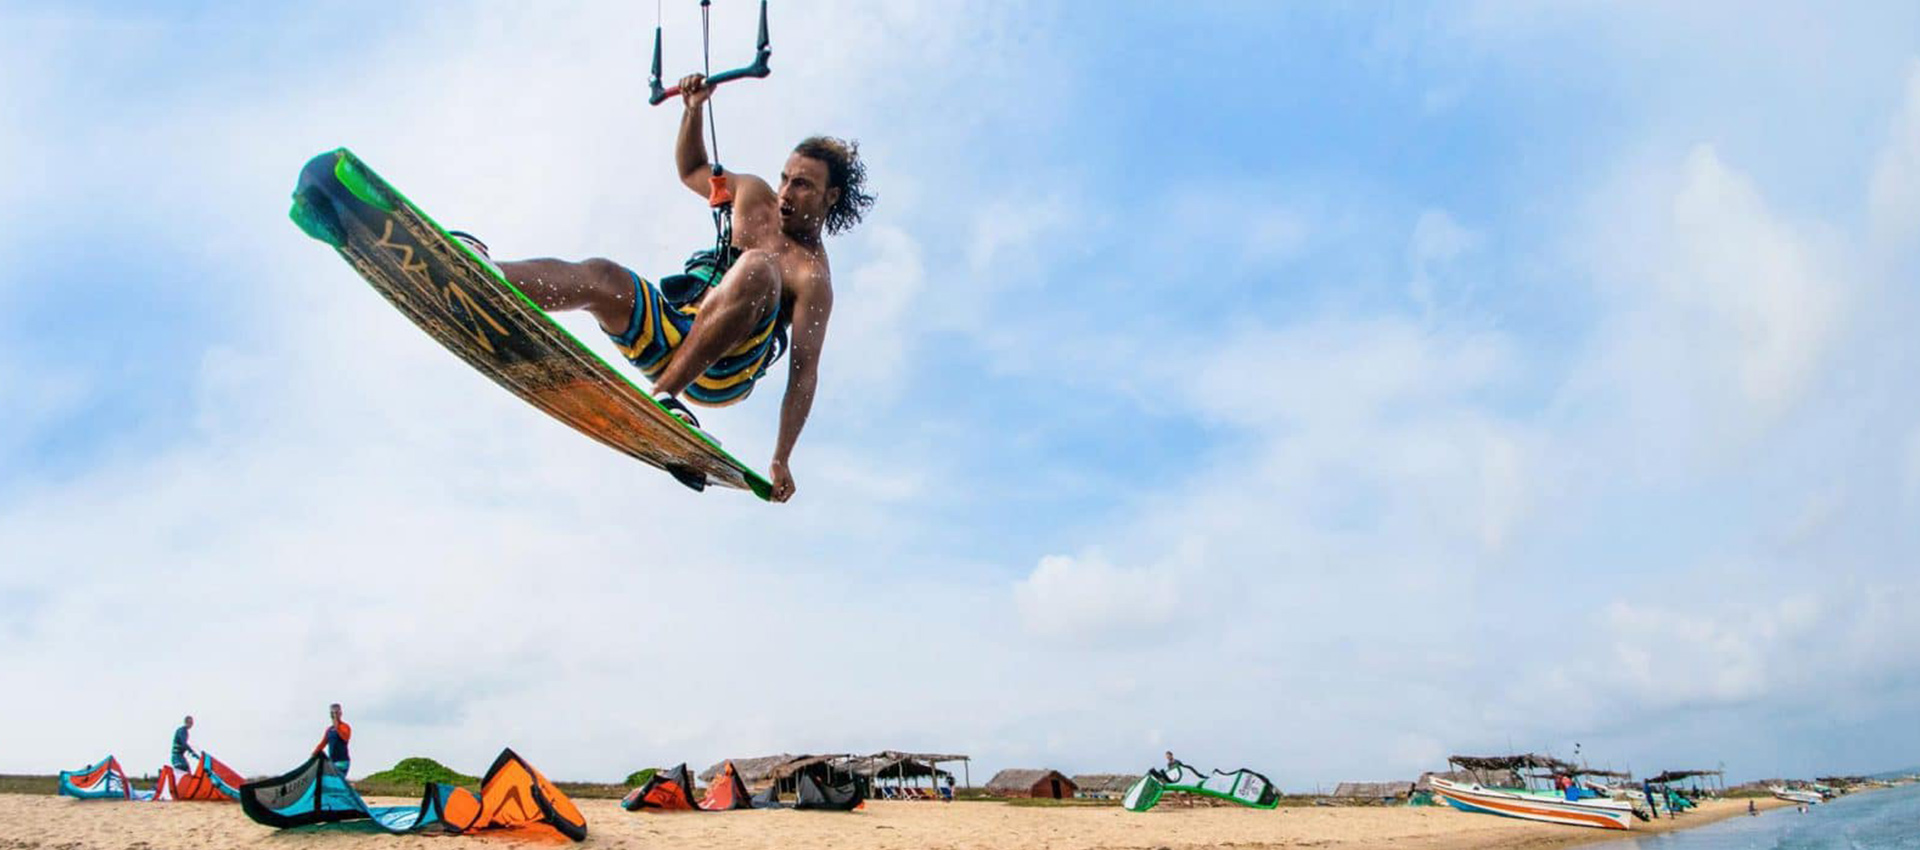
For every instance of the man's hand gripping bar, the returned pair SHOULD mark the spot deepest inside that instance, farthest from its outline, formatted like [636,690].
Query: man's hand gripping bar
[658,93]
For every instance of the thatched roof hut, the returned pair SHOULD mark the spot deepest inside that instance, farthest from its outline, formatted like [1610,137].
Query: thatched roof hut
[1373,790]
[753,771]
[1025,782]
[760,772]
[897,767]
[1104,785]
[781,770]
[1498,771]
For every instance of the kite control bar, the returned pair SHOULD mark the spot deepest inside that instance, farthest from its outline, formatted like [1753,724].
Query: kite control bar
[759,68]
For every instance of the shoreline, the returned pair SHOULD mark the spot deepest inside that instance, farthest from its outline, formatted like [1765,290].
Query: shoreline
[1712,811]
[39,821]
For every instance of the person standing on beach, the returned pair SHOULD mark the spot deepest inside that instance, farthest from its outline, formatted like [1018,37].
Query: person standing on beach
[180,746]
[334,740]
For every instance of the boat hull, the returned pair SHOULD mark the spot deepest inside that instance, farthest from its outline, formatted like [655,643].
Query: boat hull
[1597,813]
[1794,795]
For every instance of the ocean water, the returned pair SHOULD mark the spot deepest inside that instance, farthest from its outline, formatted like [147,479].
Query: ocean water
[1884,819]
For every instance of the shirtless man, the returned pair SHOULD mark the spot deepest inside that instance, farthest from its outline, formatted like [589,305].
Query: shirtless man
[712,344]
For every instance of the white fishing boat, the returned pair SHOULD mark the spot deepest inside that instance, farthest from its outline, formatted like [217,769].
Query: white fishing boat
[1797,795]
[1525,803]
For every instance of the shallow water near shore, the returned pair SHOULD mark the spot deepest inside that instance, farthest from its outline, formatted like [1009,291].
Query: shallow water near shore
[1884,819]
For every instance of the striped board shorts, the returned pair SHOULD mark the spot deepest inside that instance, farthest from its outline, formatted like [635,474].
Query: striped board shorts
[657,328]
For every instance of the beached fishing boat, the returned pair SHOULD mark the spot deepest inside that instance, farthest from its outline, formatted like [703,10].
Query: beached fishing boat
[1466,793]
[1534,805]
[1797,795]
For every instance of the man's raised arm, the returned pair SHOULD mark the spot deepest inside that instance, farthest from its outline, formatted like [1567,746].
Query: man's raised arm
[690,149]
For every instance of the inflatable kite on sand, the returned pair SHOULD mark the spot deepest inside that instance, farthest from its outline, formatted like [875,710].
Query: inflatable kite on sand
[672,791]
[1241,786]
[102,780]
[210,779]
[727,792]
[666,791]
[512,796]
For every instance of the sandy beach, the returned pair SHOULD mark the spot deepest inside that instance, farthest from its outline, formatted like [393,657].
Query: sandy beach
[33,821]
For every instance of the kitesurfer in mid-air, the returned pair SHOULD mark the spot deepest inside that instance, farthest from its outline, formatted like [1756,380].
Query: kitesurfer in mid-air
[708,335]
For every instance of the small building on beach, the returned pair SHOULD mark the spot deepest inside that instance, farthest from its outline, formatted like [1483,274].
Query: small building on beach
[1373,792]
[1104,786]
[1025,782]
[757,772]
[888,767]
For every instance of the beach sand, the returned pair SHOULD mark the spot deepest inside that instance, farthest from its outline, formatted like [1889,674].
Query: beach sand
[34,821]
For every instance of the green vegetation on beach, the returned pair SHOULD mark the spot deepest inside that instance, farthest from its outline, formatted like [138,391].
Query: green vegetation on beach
[410,775]
[13,784]
[420,770]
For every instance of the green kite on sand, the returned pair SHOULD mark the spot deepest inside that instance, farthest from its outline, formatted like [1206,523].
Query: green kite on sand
[1241,786]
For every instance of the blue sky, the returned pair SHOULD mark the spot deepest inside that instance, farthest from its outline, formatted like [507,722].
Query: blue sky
[1324,389]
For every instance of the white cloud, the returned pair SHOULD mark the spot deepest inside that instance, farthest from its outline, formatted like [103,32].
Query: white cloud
[1011,232]
[1276,234]
[877,303]
[1910,471]
[1084,599]
[1751,283]
[1894,193]
[1721,316]
[1665,656]
[1438,240]
[1332,371]
[1263,227]
[36,398]
[1775,641]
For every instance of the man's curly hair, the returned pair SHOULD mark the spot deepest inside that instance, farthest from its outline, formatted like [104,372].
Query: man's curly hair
[845,172]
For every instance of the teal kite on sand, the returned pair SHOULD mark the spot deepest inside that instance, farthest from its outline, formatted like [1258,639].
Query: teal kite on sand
[513,795]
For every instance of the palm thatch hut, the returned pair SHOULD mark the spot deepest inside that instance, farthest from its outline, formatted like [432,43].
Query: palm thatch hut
[1025,782]
[1104,786]
[757,772]
[885,766]
[1712,777]
[1372,792]
[782,771]
[1499,771]
[901,769]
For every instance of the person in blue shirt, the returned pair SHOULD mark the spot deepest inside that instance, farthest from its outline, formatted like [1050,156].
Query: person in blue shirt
[180,746]
[334,740]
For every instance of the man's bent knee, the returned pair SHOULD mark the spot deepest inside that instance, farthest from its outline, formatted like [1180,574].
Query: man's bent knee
[755,276]
[608,277]
[609,291]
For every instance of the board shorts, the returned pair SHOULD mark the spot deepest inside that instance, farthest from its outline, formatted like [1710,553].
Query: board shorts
[657,328]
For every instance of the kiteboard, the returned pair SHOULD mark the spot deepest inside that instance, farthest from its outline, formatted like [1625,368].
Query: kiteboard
[461,300]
